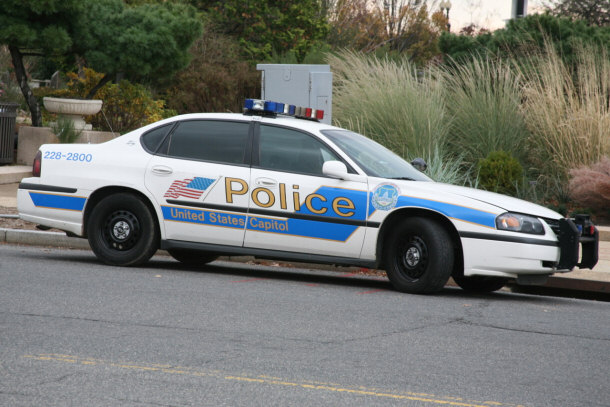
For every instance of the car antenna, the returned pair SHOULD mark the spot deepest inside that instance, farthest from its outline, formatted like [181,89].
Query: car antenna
[107,121]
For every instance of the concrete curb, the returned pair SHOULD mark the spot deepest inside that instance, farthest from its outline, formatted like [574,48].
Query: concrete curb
[15,173]
[604,233]
[582,285]
[35,238]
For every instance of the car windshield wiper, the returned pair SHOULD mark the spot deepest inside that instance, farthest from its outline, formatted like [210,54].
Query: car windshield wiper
[404,178]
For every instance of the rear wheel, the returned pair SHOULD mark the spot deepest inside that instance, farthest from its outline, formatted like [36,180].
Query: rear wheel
[419,256]
[192,257]
[122,230]
[480,284]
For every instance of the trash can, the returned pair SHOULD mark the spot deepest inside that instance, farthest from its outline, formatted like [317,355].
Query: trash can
[8,117]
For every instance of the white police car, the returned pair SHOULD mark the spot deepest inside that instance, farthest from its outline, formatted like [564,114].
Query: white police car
[261,184]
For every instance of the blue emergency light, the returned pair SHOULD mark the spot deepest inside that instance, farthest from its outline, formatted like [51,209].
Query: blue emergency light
[273,108]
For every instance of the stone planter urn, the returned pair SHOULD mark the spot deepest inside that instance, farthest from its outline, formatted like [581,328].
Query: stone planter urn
[73,109]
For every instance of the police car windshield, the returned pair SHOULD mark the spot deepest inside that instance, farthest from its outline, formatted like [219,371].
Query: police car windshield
[372,157]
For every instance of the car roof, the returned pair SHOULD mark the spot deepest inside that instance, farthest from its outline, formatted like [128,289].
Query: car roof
[303,124]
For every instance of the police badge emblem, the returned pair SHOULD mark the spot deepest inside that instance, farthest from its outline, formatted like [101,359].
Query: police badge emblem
[385,196]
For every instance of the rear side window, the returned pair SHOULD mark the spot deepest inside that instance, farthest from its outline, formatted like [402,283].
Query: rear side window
[154,137]
[208,140]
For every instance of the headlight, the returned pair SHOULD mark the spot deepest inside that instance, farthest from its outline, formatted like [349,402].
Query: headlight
[516,222]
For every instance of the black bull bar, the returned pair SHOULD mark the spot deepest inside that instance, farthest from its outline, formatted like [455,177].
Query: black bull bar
[574,233]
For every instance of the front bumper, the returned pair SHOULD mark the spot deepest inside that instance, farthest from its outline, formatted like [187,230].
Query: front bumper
[572,234]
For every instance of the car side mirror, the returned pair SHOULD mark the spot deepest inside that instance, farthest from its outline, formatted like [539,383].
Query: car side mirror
[337,169]
[419,164]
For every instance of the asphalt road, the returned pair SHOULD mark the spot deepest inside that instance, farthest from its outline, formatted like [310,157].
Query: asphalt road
[74,332]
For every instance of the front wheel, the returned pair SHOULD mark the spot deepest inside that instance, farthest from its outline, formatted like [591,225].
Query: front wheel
[122,230]
[419,256]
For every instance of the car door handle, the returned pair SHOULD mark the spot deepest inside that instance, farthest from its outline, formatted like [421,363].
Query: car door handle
[266,182]
[162,170]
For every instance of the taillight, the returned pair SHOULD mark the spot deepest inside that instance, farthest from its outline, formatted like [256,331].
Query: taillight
[37,166]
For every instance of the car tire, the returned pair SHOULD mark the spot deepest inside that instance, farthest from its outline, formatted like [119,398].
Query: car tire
[192,257]
[480,284]
[122,230]
[419,256]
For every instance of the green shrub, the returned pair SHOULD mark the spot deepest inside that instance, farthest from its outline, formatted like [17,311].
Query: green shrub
[500,172]
[127,106]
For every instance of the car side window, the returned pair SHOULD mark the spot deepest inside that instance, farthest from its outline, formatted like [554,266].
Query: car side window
[208,140]
[151,139]
[282,149]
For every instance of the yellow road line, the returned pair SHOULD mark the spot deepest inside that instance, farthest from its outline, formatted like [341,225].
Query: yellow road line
[262,379]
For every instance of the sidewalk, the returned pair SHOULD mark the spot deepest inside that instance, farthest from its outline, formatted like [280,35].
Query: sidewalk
[596,280]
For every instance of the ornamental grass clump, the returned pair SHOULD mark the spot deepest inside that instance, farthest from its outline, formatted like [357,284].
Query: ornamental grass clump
[391,102]
[484,101]
[450,169]
[398,106]
[567,111]
[65,131]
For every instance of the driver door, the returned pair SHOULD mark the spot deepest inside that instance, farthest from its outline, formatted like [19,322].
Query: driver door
[294,207]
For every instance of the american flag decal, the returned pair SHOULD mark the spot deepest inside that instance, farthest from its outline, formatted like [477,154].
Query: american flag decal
[188,188]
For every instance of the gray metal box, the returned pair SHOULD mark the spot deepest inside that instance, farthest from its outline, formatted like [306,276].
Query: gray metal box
[300,85]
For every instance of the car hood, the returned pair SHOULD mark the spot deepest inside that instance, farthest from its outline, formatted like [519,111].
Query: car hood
[505,202]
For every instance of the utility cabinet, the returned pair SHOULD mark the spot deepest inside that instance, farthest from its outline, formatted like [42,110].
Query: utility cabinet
[300,85]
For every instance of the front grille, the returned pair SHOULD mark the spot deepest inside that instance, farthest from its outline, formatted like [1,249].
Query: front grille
[553,224]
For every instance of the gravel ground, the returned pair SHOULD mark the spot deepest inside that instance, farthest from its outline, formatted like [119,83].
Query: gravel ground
[11,223]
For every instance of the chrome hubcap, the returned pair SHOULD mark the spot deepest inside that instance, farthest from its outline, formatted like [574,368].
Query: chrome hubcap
[121,230]
[412,256]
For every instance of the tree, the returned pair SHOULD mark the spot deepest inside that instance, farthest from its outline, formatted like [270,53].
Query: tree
[404,26]
[473,30]
[403,18]
[594,12]
[267,26]
[216,80]
[522,36]
[38,28]
[353,24]
[418,37]
[141,41]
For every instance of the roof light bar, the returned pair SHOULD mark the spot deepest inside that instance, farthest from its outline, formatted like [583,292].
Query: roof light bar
[270,107]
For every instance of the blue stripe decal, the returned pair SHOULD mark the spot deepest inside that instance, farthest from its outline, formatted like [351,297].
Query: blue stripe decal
[315,229]
[203,217]
[72,203]
[450,210]
[294,227]
[302,227]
